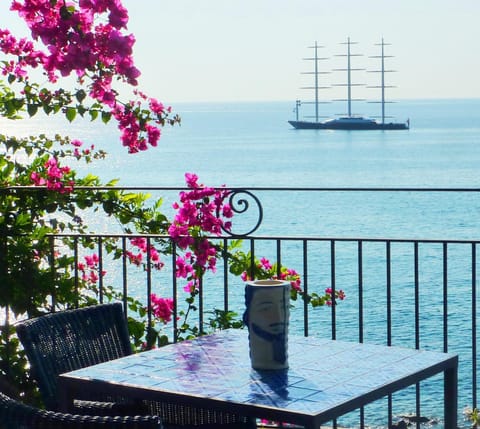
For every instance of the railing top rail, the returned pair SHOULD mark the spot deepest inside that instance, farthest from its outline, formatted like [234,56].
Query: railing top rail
[281,238]
[261,188]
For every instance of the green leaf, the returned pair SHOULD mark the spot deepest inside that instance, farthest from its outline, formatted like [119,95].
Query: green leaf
[81,110]
[32,109]
[70,113]
[108,207]
[93,114]
[80,95]
[106,117]
[66,12]
[18,103]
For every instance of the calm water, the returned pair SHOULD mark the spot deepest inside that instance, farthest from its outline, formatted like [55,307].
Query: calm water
[251,144]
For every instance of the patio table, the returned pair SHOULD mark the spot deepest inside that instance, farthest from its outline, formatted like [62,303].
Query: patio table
[326,378]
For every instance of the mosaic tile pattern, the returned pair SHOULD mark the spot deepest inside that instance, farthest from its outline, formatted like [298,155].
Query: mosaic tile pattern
[323,374]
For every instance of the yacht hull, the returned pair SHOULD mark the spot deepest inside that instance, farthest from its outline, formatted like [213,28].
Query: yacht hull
[332,125]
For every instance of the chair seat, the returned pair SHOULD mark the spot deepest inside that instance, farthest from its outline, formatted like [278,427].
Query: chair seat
[16,415]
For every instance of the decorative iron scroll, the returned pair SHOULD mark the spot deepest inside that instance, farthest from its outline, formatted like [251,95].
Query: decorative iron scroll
[240,201]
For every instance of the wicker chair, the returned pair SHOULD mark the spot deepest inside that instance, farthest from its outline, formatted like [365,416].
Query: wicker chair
[73,339]
[68,340]
[16,415]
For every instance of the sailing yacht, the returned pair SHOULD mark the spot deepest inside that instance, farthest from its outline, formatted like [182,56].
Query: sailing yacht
[349,121]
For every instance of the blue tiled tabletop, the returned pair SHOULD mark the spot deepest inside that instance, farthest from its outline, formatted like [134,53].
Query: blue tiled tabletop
[325,379]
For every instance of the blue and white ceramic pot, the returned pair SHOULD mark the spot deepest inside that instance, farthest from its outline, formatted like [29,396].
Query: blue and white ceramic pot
[266,316]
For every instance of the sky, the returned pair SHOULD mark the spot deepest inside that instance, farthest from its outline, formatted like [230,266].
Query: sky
[253,50]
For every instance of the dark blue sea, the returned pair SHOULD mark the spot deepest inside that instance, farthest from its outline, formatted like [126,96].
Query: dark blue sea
[252,145]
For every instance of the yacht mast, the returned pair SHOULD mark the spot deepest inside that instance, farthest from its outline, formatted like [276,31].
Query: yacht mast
[382,72]
[316,80]
[315,72]
[349,70]
[383,81]
[349,79]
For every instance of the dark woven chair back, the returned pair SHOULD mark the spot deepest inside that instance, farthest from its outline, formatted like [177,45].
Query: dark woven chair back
[72,339]
[16,415]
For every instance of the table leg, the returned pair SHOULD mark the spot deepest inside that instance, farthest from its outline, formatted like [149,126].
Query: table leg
[451,397]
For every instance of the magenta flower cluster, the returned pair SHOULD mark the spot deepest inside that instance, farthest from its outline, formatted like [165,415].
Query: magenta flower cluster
[266,270]
[53,176]
[162,308]
[23,51]
[76,42]
[89,269]
[202,211]
[339,294]
[56,177]
[144,249]
[78,151]
[86,38]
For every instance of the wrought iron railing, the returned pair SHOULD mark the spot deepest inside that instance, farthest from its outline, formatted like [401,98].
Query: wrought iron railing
[415,292]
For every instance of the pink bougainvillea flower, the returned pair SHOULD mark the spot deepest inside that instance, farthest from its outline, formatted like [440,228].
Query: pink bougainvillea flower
[182,267]
[162,308]
[135,259]
[265,264]
[140,242]
[92,260]
[90,269]
[37,179]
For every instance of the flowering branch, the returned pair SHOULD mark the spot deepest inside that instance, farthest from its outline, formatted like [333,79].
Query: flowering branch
[262,269]
[202,211]
[85,38]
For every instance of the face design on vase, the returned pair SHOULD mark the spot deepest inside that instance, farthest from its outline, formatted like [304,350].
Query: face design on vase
[266,317]
[267,312]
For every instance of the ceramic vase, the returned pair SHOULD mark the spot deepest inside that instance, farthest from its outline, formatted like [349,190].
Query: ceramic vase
[267,312]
